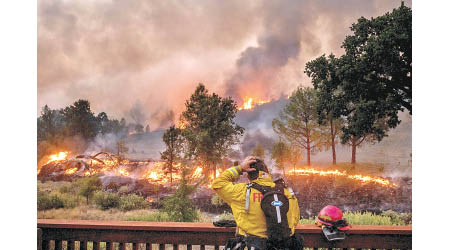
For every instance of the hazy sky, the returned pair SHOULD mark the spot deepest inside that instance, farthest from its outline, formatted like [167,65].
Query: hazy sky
[150,55]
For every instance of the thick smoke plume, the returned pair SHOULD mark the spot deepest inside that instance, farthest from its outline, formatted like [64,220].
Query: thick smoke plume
[279,41]
[114,53]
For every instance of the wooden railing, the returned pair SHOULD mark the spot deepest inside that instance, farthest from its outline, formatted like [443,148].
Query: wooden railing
[96,235]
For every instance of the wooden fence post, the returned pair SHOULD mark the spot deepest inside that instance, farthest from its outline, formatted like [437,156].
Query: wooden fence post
[39,239]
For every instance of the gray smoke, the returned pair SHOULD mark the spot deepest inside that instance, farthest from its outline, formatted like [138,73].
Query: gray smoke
[114,53]
[252,139]
[278,42]
[138,113]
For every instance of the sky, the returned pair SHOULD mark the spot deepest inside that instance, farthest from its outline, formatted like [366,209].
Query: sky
[147,57]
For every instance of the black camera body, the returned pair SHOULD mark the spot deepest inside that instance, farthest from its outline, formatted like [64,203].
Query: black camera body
[259,166]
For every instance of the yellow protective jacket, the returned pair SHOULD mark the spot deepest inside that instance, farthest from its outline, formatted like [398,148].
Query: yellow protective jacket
[252,222]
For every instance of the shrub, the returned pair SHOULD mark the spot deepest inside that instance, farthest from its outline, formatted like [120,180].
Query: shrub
[88,186]
[123,190]
[55,200]
[179,206]
[367,218]
[217,201]
[131,202]
[398,218]
[106,200]
[224,216]
[69,201]
[48,201]
[65,189]
[157,216]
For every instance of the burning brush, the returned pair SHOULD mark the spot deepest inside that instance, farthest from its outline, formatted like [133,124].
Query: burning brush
[106,164]
[358,177]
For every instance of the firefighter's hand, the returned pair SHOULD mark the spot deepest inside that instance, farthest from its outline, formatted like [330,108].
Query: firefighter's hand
[246,164]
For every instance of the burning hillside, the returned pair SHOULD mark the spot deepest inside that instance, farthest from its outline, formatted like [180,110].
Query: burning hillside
[59,167]
[107,164]
[316,190]
[314,187]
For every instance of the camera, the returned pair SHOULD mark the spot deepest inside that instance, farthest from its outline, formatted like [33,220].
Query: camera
[259,166]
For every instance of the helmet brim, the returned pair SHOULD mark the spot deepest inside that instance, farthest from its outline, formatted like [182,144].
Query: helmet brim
[346,228]
[323,222]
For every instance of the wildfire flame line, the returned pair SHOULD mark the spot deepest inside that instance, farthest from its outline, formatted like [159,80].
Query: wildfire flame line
[359,177]
[156,172]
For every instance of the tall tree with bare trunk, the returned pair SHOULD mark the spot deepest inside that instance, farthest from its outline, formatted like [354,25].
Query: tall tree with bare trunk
[323,72]
[298,122]
[174,145]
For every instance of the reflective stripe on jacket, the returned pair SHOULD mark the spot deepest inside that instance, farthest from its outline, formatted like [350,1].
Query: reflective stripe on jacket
[253,222]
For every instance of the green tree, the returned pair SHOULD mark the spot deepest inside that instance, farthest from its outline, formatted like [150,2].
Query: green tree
[50,124]
[174,145]
[378,59]
[325,78]
[88,186]
[280,153]
[80,120]
[259,151]
[210,130]
[298,122]
[103,121]
[295,156]
[374,77]
[179,206]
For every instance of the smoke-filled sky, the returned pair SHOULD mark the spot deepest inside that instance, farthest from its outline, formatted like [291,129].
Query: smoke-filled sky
[142,59]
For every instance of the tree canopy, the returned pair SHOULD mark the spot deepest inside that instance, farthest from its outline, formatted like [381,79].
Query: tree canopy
[367,86]
[174,145]
[210,130]
[280,153]
[325,79]
[259,151]
[80,120]
[378,60]
[298,122]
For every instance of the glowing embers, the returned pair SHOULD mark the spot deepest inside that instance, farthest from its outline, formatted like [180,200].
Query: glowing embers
[358,177]
[70,171]
[122,172]
[250,102]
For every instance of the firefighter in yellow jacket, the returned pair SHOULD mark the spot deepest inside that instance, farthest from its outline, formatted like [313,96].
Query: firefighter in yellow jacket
[245,203]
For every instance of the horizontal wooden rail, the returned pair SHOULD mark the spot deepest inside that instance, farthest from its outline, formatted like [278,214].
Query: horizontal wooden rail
[183,233]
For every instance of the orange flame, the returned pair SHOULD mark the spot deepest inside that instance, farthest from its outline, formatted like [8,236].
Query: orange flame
[70,171]
[57,157]
[362,178]
[123,172]
[198,172]
[250,103]
[181,125]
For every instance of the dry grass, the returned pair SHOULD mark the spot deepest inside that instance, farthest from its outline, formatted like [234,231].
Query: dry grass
[52,185]
[84,212]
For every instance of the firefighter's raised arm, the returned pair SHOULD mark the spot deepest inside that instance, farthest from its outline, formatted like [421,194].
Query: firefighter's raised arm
[223,184]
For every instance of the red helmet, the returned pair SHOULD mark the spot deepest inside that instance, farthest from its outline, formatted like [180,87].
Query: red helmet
[332,216]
